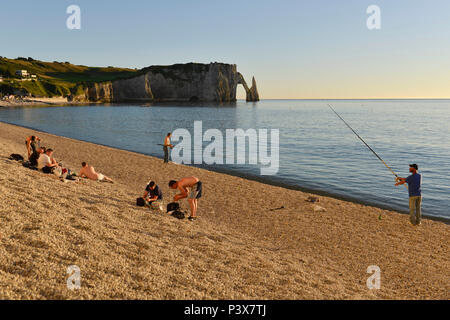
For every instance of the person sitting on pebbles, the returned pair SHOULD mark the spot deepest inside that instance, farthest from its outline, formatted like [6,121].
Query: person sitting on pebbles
[46,162]
[32,143]
[35,156]
[88,171]
[152,193]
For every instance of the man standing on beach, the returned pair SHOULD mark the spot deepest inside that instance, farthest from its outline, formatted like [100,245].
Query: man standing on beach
[166,147]
[191,188]
[414,182]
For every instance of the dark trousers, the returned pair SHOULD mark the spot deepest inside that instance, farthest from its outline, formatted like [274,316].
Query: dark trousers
[48,169]
[166,154]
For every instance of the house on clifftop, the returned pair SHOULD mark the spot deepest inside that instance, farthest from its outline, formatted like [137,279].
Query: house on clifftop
[22,73]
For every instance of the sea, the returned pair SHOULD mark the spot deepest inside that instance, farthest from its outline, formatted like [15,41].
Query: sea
[317,152]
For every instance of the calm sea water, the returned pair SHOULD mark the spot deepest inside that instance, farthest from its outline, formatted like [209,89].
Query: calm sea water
[317,151]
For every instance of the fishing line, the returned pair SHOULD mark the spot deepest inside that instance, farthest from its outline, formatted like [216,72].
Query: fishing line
[390,169]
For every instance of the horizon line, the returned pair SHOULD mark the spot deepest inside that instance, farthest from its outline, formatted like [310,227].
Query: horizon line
[328,99]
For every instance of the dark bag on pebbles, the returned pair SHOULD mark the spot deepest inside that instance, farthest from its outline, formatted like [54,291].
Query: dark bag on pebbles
[178,214]
[140,202]
[16,157]
[174,207]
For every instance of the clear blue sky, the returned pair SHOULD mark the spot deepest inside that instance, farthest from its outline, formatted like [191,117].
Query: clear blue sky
[294,48]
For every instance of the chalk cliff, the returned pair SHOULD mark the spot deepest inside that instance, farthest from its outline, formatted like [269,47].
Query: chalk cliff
[252,92]
[180,82]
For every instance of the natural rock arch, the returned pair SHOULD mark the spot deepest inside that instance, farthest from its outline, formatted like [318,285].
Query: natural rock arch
[252,92]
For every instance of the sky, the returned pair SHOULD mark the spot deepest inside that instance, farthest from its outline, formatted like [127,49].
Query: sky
[296,49]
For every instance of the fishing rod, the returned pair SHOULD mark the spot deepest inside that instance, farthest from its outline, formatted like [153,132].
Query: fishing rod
[390,169]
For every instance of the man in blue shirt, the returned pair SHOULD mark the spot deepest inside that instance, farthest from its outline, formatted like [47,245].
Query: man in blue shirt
[152,193]
[414,182]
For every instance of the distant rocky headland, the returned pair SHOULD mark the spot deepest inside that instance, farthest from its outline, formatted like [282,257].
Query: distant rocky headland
[190,82]
[180,82]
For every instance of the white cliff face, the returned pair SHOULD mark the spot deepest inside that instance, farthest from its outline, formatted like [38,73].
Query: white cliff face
[180,82]
[134,89]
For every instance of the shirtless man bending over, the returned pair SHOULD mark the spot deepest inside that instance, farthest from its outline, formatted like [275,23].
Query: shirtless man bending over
[88,171]
[190,188]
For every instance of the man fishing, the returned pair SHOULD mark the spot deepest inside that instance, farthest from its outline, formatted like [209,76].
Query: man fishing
[167,144]
[414,182]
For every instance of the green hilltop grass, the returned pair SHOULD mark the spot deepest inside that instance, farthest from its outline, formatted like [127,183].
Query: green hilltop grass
[55,78]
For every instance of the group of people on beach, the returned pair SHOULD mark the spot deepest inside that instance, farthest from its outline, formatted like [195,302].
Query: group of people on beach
[42,159]
[189,188]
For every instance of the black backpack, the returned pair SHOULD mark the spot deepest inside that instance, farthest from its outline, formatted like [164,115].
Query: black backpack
[173,206]
[140,202]
[178,214]
[16,157]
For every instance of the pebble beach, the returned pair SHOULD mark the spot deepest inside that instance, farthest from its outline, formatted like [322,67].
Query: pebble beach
[239,248]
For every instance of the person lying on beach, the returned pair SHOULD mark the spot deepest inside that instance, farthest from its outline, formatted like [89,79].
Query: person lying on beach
[32,145]
[35,156]
[88,171]
[190,188]
[46,162]
[152,193]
